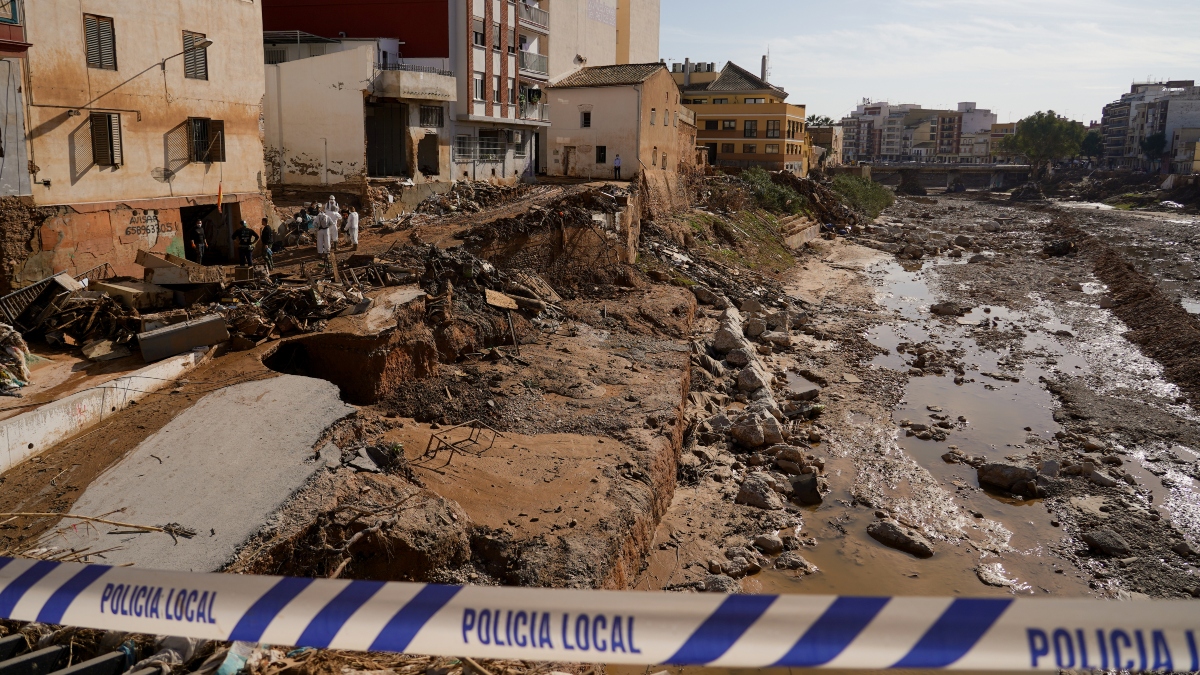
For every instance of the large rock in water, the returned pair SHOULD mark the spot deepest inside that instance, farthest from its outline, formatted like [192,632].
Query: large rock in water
[757,491]
[1108,542]
[890,533]
[806,490]
[1019,479]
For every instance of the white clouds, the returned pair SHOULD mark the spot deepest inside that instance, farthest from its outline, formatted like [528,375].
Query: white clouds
[1017,55]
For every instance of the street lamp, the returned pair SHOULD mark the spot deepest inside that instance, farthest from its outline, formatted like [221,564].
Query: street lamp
[203,44]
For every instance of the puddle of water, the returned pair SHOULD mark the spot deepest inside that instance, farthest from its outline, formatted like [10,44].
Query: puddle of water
[1192,306]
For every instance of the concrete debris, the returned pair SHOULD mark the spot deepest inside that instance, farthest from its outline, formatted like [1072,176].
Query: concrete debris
[471,197]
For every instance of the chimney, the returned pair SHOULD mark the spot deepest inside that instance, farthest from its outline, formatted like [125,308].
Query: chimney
[764,67]
[687,72]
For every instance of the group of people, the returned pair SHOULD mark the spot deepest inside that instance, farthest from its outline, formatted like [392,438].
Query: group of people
[326,220]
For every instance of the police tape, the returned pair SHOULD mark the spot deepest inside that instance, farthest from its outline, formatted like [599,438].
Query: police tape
[614,627]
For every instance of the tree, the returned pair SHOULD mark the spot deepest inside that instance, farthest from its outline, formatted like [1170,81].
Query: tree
[820,121]
[1044,137]
[1092,146]
[1154,146]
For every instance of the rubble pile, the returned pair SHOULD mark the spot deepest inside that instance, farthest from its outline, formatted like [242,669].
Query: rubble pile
[910,241]
[14,369]
[720,194]
[823,204]
[471,197]
[1029,192]
[88,316]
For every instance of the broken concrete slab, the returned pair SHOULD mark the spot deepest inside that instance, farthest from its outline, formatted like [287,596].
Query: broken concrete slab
[137,295]
[178,338]
[222,467]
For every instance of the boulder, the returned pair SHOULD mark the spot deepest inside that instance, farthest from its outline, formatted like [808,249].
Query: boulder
[753,377]
[706,297]
[757,491]
[789,467]
[748,431]
[890,533]
[961,240]
[719,583]
[777,338]
[754,327]
[1108,542]
[794,561]
[1018,479]
[725,340]
[772,431]
[947,309]
[806,490]
[792,454]
[752,306]
[913,251]
[764,404]
[769,543]
[720,423]
[739,357]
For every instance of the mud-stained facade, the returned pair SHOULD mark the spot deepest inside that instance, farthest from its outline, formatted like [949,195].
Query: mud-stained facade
[350,114]
[133,115]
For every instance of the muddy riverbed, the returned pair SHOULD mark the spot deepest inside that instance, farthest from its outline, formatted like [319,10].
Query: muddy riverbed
[1032,367]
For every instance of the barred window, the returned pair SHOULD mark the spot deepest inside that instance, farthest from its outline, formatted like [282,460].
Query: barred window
[433,116]
[207,140]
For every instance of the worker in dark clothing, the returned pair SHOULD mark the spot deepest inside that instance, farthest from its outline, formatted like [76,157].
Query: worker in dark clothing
[268,242]
[246,239]
[197,244]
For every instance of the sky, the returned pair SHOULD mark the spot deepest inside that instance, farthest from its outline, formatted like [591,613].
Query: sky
[1015,57]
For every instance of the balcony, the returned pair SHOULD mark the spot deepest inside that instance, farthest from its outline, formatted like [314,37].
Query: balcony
[406,81]
[533,63]
[535,111]
[538,19]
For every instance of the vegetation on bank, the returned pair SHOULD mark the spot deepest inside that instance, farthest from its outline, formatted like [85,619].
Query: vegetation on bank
[772,196]
[863,195]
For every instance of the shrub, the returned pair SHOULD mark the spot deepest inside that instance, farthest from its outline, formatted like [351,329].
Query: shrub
[772,197]
[864,195]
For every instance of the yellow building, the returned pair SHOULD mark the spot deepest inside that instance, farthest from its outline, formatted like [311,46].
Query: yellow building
[742,120]
[999,131]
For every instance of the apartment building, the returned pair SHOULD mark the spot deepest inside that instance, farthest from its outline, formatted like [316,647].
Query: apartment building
[1147,109]
[907,132]
[128,117]
[999,131]
[1186,156]
[742,120]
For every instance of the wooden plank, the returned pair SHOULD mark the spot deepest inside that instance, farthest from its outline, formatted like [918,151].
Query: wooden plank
[499,300]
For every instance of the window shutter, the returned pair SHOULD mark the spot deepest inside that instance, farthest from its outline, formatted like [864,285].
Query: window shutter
[194,139]
[101,139]
[107,42]
[118,156]
[216,140]
[91,30]
[195,61]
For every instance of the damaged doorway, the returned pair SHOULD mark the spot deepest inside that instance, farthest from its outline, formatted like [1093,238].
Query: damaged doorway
[427,155]
[387,126]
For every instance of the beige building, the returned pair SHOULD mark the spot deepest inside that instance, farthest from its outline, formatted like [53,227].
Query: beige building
[346,115]
[1186,158]
[829,141]
[128,117]
[632,111]
[637,30]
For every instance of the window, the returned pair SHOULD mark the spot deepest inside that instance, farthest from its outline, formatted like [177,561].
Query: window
[729,125]
[477,35]
[654,157]
[512,91]
[772,128]
[664,162]
[675,121]
[433,116]
[195,59]
[653,115]
[771,149]
[727,147]
[106,139]
[512,41]
[602,154]
[756,100]
[749,148]
[710,125]
[496,36]
[719,101]
[699,100]
[496,89]
[479,92]
[8,11]
[751,129]
[207,140]
[101,42]
[585,120]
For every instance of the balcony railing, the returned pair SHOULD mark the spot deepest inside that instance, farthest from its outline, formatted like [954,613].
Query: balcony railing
[535,111]
[412,68]
[468,149]
[533,15]
[533,62]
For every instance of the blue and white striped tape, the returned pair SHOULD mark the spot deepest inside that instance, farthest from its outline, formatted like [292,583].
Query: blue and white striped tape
[587,626]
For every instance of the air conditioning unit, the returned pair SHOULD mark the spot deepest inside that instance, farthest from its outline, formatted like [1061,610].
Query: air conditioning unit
[516,137]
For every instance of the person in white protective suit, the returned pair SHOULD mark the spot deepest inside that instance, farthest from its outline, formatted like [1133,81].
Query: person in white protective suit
[324,225]
[352,227]
[334,212]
